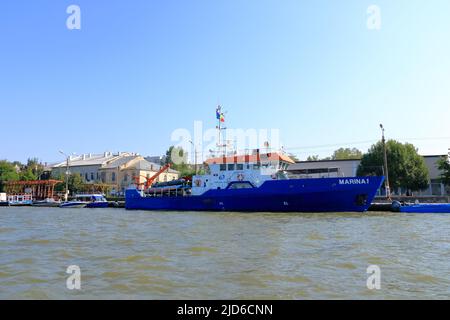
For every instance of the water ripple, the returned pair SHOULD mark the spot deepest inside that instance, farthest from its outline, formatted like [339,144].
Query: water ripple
[189,255]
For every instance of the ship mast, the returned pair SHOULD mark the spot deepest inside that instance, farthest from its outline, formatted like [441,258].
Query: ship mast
[221,145]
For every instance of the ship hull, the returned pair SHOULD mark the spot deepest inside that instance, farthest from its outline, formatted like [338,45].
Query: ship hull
[296,195]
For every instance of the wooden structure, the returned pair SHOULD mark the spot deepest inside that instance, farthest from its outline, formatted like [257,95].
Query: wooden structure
[40,189]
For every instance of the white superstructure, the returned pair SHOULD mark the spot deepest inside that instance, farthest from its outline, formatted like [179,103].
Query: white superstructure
[247,171]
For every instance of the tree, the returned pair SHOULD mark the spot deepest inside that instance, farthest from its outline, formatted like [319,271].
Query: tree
[443,165]
[27,174]
[417,175]
[35,166]
[175,156]
[75,183]
[346,154]
[406,167]
[8,172]
[313,158]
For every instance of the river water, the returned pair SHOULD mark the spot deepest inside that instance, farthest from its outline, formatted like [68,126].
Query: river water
[190,255]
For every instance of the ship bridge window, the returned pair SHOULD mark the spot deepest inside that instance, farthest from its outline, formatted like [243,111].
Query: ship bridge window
[231,167]
[239,166]
[223,167]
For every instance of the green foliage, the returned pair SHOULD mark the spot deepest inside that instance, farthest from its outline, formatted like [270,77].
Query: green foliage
[7,173]
[406,167]
[35,166]
[443,165]
[176,156]
[13,171]
[346,154]
[62,185]
[76,183]
[185,170]
[313,158]
[27,174]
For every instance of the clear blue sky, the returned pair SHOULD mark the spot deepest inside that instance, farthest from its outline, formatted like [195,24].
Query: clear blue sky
[137,70]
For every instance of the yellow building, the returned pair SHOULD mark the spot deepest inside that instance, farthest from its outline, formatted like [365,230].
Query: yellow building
[123,172]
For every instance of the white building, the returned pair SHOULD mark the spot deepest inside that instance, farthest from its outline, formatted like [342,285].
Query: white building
[88,165]
[348,168]
[118,170]
[324,169]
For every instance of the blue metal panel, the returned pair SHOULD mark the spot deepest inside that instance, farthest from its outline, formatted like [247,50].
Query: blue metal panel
[427,208]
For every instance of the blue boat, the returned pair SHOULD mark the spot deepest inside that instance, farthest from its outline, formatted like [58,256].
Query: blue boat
[424,208]
[256,183]
[86,201]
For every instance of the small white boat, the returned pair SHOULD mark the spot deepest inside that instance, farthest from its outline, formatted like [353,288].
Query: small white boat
[74,204]
[49,202]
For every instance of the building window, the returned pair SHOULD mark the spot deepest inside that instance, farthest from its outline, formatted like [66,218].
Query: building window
[92,176]
[125,178]
[86,177]
[239,166]
[113,177]
[223,167]
[231,167]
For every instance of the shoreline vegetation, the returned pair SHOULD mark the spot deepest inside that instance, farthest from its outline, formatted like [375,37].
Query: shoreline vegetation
[407,169]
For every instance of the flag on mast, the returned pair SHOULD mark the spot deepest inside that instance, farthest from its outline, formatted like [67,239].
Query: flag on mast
[218,112]
[222,117]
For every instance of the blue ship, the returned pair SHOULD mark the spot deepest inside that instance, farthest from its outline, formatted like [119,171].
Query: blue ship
[256,183]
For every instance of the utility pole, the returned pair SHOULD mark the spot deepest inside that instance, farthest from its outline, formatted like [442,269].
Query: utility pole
[386,172]
[66,195]
[195,155]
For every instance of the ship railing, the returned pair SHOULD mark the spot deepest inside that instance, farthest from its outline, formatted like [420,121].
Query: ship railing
[247,151]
